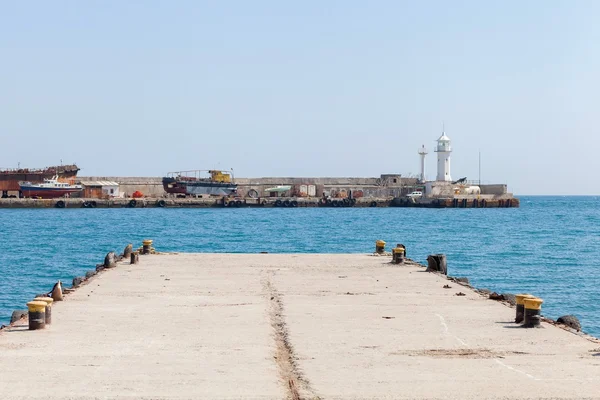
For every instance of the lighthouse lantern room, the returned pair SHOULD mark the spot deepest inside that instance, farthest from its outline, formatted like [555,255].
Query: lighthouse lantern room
[443,151]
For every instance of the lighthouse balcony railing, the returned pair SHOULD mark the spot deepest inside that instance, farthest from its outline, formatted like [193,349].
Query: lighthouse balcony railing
[475,182]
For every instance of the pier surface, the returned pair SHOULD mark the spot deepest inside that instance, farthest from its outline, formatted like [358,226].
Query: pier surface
[262,326]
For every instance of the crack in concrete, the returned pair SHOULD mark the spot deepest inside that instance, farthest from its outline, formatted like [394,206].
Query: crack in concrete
[297,387]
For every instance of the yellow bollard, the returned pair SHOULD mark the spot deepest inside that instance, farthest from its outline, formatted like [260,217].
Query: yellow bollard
[533,307]
[380,247]
[49,301]
[37,314]
[147,246]
[521,306]
[398,255]
[402,246]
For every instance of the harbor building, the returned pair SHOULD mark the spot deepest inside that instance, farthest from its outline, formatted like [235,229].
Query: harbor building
[100,189]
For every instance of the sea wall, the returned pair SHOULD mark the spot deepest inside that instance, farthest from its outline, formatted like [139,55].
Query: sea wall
[385,186]
[485,201]
[388,185]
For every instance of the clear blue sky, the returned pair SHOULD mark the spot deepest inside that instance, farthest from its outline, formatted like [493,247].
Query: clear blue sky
[310,88]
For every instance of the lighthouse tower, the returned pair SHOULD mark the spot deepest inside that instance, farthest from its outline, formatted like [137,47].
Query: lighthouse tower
[443,151]
[423,153]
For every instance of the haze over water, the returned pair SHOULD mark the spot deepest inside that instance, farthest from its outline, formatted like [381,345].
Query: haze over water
[547,247]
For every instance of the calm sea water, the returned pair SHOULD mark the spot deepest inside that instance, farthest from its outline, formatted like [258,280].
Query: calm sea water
[548,247]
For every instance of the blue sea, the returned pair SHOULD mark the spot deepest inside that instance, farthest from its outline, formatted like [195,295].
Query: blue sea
[549,247]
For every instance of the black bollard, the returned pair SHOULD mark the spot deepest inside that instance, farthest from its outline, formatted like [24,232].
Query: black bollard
[110,261]
[437,263]
[128,250]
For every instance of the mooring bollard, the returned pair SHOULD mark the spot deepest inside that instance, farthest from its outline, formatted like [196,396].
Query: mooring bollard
[127,251]
[48,310]
[135,257]
[437,263]
[520,316]
[398,255]
[533,307]
[37,315]
[110,260]
[57,292]
[403,246]
[147,246]
[380,247]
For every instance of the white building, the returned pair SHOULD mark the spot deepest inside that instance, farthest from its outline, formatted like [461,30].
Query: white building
[100,189]
[443,151]
[423,153]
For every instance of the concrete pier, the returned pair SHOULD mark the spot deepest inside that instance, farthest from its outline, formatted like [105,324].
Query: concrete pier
[263,326]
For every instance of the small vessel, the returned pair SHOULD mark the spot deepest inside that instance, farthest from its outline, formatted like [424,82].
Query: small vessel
[199,182]
[10,177]
[48,189]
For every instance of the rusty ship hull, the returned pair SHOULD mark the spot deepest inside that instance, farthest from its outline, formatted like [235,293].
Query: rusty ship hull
[10,178]
[198,187]
[191,183]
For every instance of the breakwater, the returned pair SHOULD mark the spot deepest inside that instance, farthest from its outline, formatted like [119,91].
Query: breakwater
[280,202]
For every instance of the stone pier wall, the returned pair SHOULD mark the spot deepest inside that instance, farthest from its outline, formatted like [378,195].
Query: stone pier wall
[384,186]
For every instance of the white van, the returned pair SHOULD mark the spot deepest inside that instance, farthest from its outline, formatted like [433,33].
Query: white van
[415,195]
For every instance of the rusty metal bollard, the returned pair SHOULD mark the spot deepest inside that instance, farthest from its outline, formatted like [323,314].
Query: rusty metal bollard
[437,263]
[135,258]
[379,247]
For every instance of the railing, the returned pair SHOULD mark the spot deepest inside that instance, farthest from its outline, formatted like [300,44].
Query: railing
[55,168]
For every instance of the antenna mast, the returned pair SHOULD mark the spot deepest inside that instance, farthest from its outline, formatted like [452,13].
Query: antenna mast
[480,168]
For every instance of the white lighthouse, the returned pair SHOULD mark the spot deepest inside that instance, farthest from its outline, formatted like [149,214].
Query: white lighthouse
[443,151]
[423,153]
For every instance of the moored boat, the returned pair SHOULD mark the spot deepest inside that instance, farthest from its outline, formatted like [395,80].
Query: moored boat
[195,182]
[49,189]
